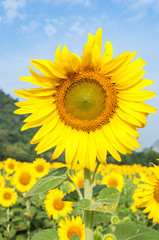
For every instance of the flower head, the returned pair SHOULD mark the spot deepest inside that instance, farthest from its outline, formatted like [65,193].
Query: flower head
[87,106]
[71,227]
[114,179]
[55,206]
[24,178]
[41,167]
[7,197]
[10,165]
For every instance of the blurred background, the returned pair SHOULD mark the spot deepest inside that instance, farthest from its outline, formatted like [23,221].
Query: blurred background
[32,29]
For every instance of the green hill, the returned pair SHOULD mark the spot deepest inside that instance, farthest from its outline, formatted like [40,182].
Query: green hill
[13,142]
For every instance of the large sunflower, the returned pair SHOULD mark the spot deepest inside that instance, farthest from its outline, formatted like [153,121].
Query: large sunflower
[88,106]
[147,195]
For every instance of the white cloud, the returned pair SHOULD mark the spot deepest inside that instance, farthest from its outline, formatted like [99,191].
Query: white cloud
[136,18]
[85,3]
[12,8]
[30,27]
[50,30]
[76,28]
[138,4]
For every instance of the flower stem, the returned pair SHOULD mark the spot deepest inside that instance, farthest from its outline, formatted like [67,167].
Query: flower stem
[88,215]
[77,189]
[95,171]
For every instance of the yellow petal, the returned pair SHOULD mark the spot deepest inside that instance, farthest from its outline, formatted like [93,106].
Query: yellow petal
[71,61]
[72,142]
[108,53]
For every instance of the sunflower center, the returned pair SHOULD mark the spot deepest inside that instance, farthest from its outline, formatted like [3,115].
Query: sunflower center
[80,183]
[74,231]
[7,196]
[40,168]
[25,178]
[58,204]
[156,193]
[11,166]
[86,101]
[113,182]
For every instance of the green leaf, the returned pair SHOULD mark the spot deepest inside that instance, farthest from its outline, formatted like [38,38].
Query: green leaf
[97,189]
[52,180]
[84,204]
[73,196]
[107,200]
[57,171]
[75,237]
[131,231]
[48,234]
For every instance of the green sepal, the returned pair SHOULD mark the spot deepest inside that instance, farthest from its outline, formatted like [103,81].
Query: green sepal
[50,181]
[48,234]
[131,231]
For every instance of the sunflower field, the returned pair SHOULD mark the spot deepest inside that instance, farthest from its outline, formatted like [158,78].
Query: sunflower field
[88,108]
[23,217]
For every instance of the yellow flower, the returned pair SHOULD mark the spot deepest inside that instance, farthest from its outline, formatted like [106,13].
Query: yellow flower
[41,167]
[24,178]
[10,165]
[2,182]
[55,206]
[7,197]
[71,227]
[8,176]
[87,106]
[114,180]
[1,164]
[148,195]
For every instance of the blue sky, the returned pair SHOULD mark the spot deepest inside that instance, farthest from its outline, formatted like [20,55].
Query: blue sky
[31,29]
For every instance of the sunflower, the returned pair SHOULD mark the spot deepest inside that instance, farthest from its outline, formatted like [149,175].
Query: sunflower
[55,206]
[87,106]
[10,165]
[7,197]
[148,195]
[2,182]
[41,167]
[24,178]
[71,227]
[114,180]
